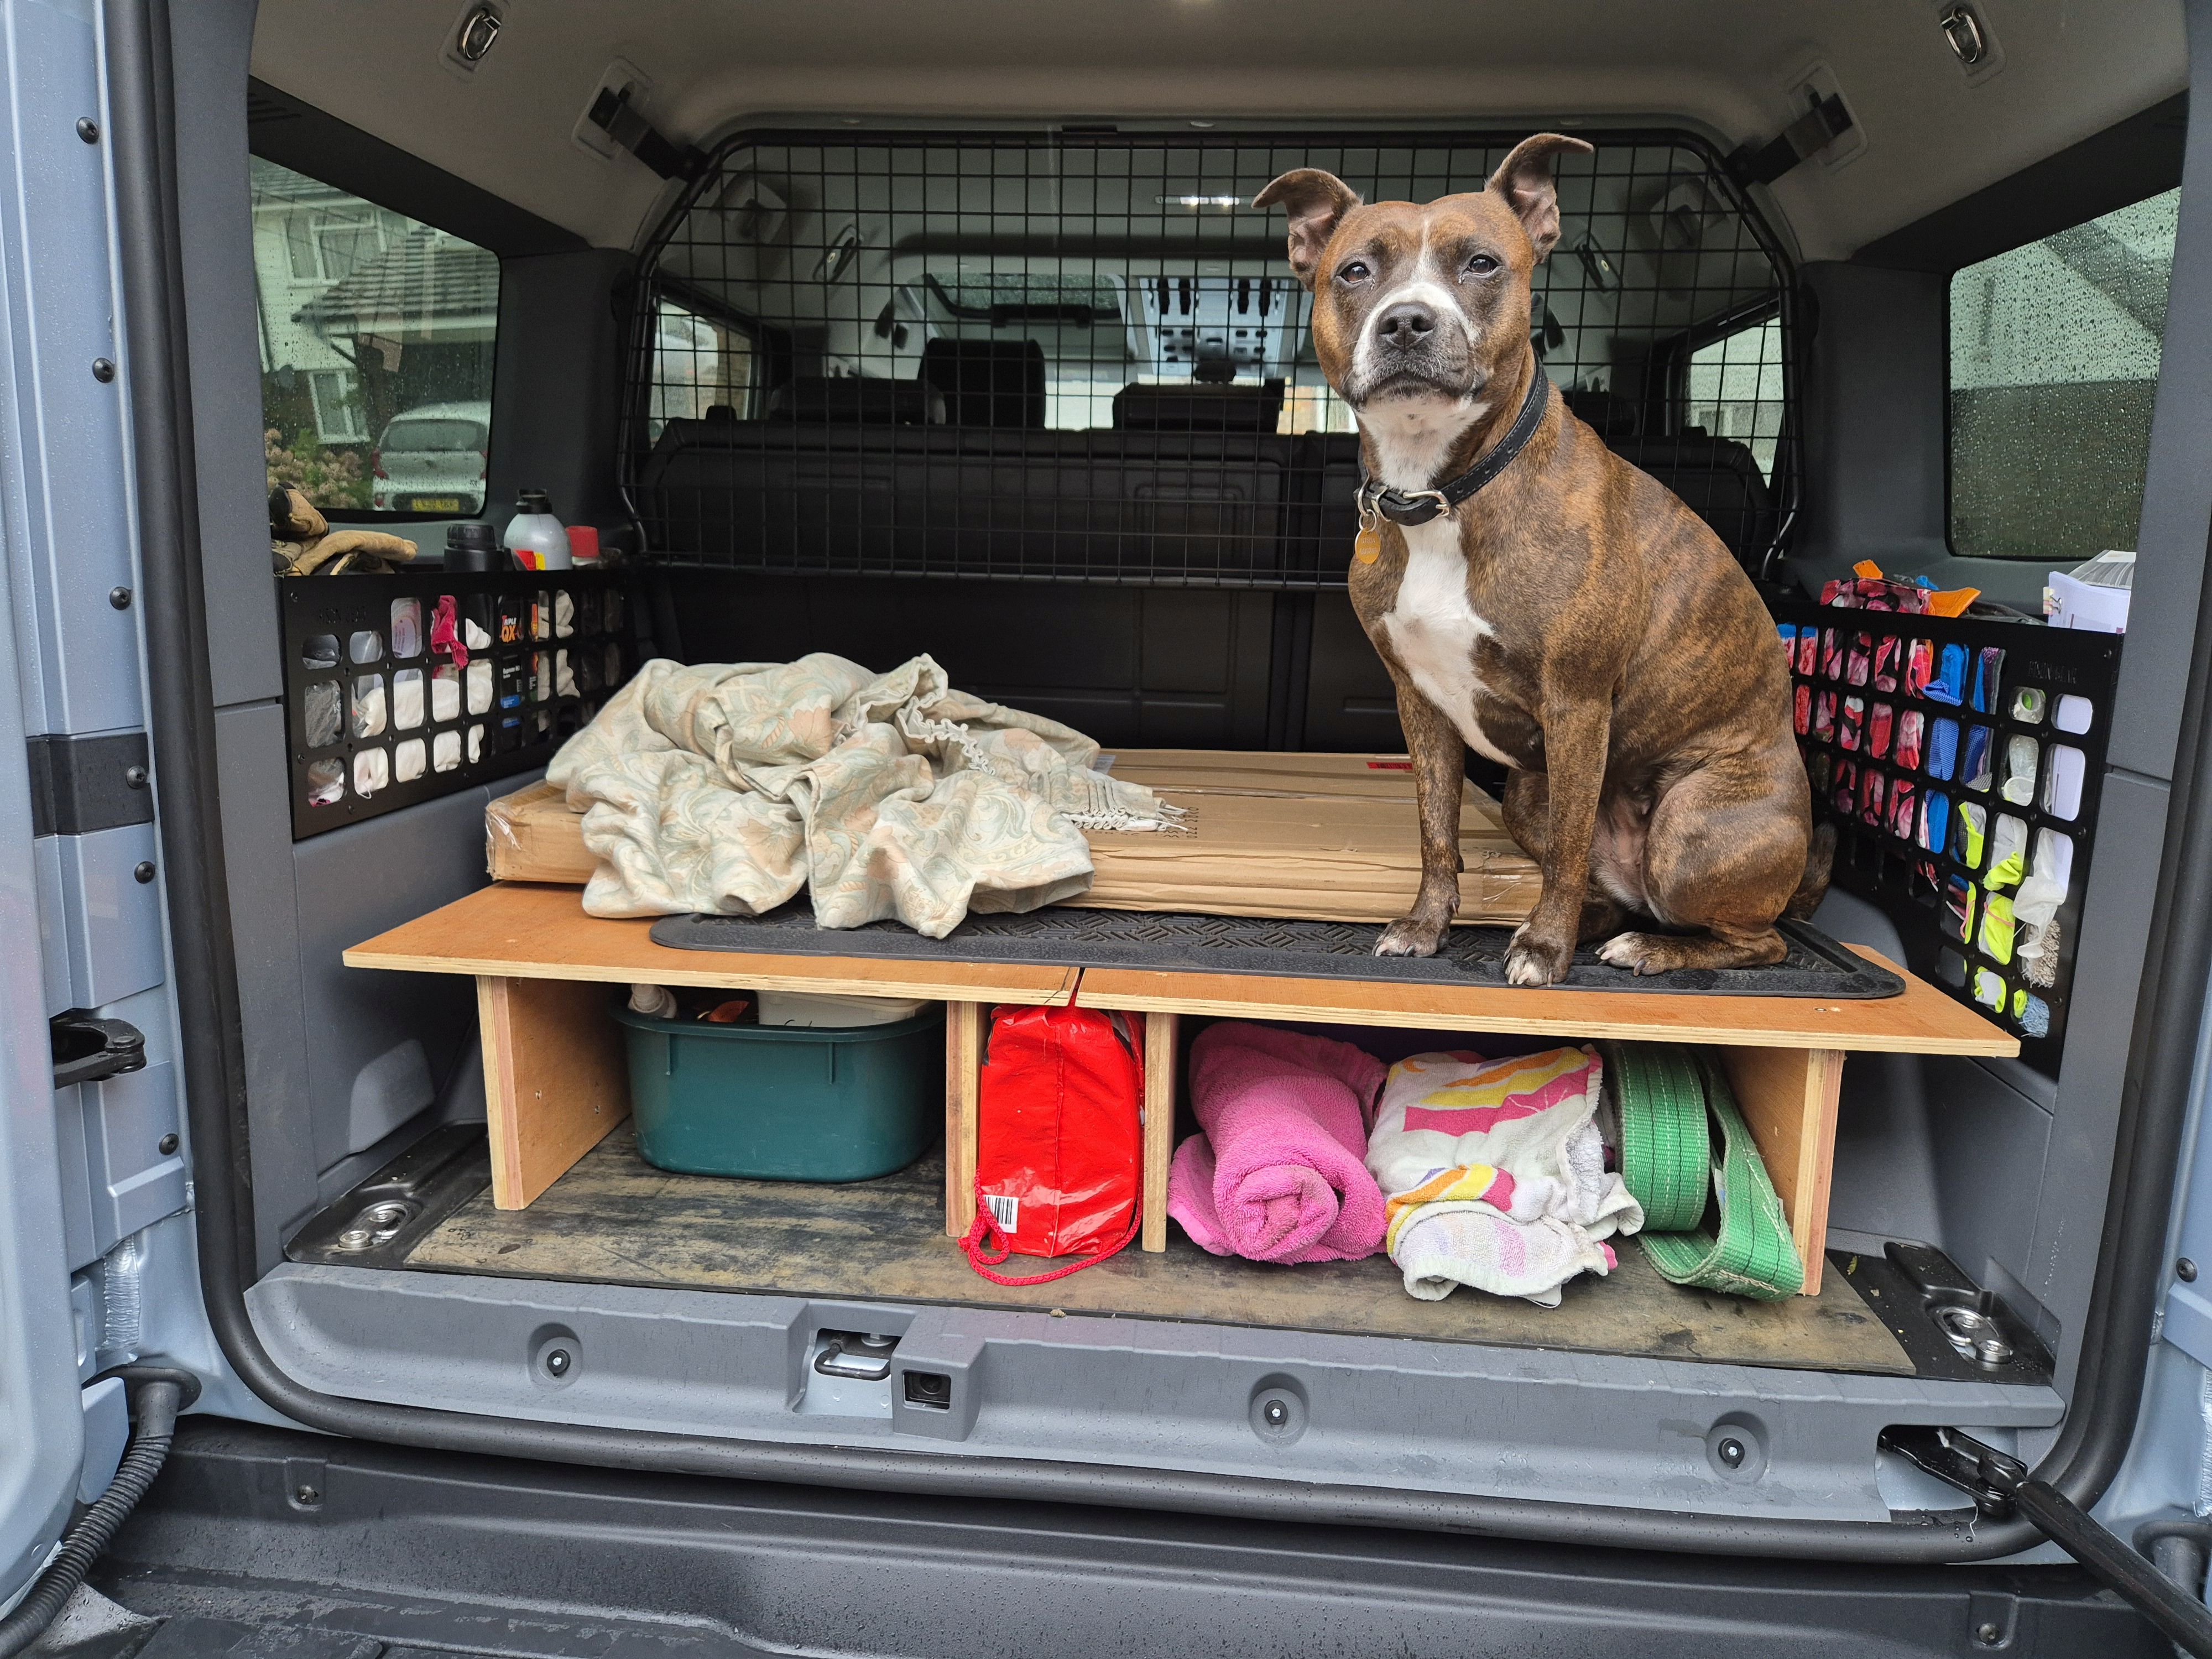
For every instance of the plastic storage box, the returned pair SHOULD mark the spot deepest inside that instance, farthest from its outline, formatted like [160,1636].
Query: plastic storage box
[786,1103]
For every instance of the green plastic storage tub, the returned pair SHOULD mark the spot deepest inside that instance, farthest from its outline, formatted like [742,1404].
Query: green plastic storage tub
[786,1103]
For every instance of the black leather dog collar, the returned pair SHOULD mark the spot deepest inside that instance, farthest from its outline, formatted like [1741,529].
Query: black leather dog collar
[1419,505]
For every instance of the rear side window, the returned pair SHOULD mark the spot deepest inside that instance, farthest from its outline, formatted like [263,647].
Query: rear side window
[377,333]
[2054,366]
[1735,389]
[699,363]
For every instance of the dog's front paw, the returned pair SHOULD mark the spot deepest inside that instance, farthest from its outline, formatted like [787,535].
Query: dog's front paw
[1410,936]
[1530,960]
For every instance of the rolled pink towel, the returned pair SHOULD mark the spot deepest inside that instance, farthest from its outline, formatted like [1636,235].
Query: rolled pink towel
[1280,1173]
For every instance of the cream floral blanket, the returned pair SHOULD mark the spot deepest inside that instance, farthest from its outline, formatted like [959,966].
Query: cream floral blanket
[727,789]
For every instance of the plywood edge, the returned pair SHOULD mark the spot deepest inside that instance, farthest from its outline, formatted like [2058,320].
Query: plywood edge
[501,1127]
[1161,1032]
[963,1056]
[1100,990]
[1049,987]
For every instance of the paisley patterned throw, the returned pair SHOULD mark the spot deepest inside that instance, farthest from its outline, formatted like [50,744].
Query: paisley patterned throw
[727,789]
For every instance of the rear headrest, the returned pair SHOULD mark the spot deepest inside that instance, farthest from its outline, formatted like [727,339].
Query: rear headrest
[1186,406]
[857,401]
[1609,413]
[988,382]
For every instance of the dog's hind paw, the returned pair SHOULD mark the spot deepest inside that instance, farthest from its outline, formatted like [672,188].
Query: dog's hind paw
[1640,953]
[1409,936]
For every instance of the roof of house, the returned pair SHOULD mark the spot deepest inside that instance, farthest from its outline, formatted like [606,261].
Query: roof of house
[418,289]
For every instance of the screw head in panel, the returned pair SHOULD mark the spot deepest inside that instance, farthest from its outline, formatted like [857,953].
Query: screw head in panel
[2185,1271]
[558,1361]
[119,597]
[135,776]
[167,1145]
[306,1496]
[144,872]
[88,129]
[1987,1635]
[103,370]
[1730,1452]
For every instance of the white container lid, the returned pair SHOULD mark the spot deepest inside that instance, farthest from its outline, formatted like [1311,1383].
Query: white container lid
[823,1008]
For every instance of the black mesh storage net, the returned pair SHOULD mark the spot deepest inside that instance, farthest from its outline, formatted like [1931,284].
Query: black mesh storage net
[1081,356]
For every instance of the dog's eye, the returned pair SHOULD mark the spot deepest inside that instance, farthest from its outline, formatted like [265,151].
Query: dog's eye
[1481,265]
[1357,271]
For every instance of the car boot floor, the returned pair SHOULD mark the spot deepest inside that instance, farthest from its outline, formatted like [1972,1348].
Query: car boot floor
[616,1219]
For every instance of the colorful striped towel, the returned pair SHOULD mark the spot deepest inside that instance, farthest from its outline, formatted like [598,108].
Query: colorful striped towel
[1494,1174]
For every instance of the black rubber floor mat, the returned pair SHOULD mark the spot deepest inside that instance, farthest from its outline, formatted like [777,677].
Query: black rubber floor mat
[1817,966]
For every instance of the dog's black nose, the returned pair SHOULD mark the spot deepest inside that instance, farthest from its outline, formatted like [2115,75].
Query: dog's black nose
[1409,322]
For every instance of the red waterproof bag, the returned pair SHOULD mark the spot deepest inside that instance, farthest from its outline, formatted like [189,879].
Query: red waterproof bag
[1060,1140]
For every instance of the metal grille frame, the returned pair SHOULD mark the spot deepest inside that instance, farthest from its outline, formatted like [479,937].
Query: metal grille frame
[907,237]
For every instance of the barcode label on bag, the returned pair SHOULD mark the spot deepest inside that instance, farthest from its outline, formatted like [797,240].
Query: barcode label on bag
[1006,1211]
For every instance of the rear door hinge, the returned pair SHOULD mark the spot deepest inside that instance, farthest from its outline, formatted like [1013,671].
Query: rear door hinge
[88,1048]
[1985,1475]
[2001,1485]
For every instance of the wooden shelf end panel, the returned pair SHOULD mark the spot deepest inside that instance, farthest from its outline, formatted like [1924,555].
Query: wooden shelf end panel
[963,1063]
[1161,1034]
[556,1080]
[1788,1098]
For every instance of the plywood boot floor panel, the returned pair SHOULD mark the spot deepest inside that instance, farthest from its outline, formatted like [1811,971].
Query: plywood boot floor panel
[615,1219]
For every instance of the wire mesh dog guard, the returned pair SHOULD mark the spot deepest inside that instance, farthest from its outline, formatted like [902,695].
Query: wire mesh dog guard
[1082,357]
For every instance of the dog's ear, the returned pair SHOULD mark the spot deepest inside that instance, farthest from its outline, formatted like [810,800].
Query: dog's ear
[1524,179]
[1316,203]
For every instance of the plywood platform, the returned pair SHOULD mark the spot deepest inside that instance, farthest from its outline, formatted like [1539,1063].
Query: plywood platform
[556,1085]
[522,931]
[614,1218]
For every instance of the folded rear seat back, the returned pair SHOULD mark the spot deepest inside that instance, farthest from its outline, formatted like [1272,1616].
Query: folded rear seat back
[857,400]
[897,497]
[1191,407]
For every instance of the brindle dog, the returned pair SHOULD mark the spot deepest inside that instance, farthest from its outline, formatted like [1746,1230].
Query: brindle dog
[1572,619]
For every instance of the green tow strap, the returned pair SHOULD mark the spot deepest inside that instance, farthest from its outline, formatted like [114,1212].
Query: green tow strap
[1669,1163]
[1666,1151]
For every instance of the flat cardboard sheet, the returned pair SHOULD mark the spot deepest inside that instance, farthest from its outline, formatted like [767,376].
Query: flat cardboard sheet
[1315,837]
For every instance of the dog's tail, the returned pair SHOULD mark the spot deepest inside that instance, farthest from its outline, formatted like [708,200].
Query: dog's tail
[1819,861]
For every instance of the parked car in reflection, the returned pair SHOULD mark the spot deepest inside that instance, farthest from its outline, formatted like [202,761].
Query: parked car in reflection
[432,459]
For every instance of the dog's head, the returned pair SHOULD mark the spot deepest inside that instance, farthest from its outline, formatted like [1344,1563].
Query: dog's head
[1422,303]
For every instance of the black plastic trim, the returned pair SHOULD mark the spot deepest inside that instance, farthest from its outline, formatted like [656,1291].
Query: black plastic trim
[284,129]
[79,785]
[2125,163]
[2117,1343]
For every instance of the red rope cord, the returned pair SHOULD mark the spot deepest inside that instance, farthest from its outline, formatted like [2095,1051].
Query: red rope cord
[984,1237]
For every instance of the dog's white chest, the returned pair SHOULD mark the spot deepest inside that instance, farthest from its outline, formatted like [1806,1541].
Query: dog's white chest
[1433,629]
